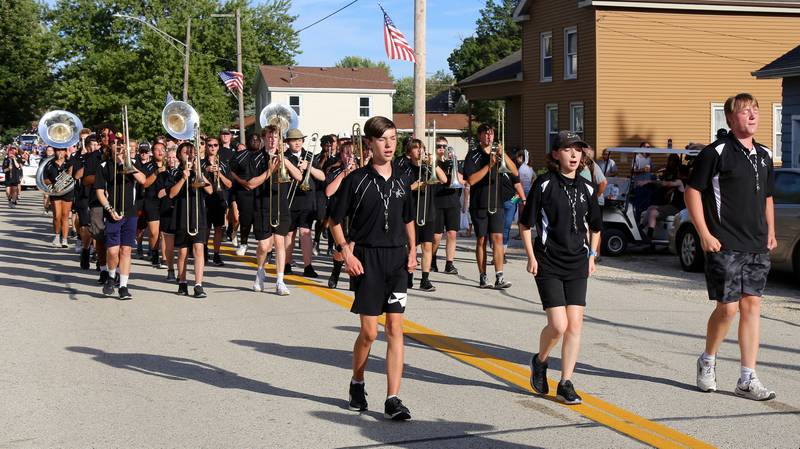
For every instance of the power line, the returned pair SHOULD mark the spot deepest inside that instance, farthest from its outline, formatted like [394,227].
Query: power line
[329,15]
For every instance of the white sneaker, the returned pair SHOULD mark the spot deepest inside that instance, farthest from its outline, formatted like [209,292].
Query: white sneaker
[235,240]
[241,250]
[281,289]
[64,243]
[56,242]
[754,390]
[260,282]
[706,376]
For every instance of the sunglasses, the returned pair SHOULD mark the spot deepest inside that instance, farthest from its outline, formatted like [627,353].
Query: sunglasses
[213,145]
[441,145]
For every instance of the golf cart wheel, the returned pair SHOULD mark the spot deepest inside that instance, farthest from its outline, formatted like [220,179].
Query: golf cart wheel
[689,251]
[615,242]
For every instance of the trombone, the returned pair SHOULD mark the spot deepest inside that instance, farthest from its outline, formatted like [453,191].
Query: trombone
[426,159]
[127,163]
[182,122]
[284,118]
[305,186]
[498,149]
[358,143]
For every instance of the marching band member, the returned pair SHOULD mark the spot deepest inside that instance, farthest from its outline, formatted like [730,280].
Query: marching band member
[61,204]
[378,202]
[217,171]
[336,174]
[480,168]
[167,179]
[115,192]
[448,208]
[12,167]
[189,219]
[152,200]
[561,205]
[82,195]
[97,225]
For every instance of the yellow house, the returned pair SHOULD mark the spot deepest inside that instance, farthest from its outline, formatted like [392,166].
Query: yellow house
[623,71]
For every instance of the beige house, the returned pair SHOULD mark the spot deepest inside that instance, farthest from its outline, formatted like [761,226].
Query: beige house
[622,71]
[450,126]
[326,99]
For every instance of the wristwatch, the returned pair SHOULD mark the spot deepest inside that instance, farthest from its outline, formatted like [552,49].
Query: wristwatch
[592,253]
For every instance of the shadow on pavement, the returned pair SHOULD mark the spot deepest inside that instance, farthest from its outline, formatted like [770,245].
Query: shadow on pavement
[179,368]
[344,359]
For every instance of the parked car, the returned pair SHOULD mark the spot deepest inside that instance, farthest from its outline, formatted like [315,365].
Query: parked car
[29,173]
[685,242]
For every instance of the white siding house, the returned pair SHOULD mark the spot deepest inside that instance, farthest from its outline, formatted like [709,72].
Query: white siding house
[327,99]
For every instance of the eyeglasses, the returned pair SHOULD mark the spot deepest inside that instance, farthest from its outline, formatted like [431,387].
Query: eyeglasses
[441,145]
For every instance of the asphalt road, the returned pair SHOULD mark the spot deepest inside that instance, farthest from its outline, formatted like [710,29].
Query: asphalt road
[245,369]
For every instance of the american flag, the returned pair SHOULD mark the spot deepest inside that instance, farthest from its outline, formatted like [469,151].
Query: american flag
[233,80]
[396,44]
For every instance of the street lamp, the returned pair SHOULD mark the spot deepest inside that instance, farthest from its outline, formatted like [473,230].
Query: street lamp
[172,41]
[238,17]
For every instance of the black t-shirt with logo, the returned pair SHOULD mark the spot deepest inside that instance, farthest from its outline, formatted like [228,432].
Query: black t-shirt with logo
[735,183]
[247,165]
[368,199]
[125,187]
[561,209]
[225,154]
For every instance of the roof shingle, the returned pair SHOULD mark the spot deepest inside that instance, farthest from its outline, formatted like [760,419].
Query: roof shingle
[326,77]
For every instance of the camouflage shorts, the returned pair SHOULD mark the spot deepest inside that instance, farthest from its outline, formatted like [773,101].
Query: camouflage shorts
[732,274]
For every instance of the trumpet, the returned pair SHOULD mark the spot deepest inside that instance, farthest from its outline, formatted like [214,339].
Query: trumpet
[358,143]
[282,117]
[305,186]
[426,159]
[499,151]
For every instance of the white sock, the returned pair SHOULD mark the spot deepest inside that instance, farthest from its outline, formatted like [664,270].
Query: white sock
[112,273]
[104,268]
[198,285]
[746,374]
[280,278]
[391,396]
[707,359]
[356,382]
[123,280]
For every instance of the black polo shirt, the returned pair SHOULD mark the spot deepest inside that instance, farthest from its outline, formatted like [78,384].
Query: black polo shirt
[225,154]
[561,248]
[477,159]
[216,196]
[735,183]
[507,182]
[150,168]
[446,197]
[367,198]
[302,200]
[247,165]
[126,187]
[196,204]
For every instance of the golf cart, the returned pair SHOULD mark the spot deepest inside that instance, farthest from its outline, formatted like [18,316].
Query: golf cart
[620,215]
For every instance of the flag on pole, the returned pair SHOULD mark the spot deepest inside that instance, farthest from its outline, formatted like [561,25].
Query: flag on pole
[169,97]
[396,44]
[233,80]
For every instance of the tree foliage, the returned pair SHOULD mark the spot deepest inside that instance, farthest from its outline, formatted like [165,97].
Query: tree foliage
[361,62]
[25,73]
[105,62]
[496,36]
[403,101]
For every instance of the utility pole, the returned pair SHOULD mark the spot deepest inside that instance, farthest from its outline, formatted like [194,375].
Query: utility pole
[186,59]
[239,69]
[419,69]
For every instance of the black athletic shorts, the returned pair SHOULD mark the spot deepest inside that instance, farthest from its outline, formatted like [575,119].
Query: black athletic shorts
[152,209]
[184,240]
[53,199]
[732,274]
[215,214]
[448,219]
[382,287]
[301,219]
[322,205]
[165,224]
[81,208]
[485,223]
[559,293]
[424,234]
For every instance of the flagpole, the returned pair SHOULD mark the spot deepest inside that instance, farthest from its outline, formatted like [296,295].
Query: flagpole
[419,68]
[239,69]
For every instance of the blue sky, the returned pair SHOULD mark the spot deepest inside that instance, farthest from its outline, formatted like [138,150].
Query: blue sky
[358,30]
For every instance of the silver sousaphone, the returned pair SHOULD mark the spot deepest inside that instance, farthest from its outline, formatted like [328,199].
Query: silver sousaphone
[58,129]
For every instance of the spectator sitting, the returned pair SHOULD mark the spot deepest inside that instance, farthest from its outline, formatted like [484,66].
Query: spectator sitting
[642,160]
[607,165]
[673,199]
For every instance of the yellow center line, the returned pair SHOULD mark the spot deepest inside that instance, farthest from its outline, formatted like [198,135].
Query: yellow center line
[594,408]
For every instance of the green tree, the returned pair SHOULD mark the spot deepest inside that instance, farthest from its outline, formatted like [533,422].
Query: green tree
[496,36]
[360,62]
[25,74]
[106,62]
[403,101]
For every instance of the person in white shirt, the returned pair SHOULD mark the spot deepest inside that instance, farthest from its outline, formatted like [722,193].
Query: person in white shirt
[607,165]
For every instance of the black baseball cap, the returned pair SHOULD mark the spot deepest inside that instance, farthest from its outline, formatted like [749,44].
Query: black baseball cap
[566,139]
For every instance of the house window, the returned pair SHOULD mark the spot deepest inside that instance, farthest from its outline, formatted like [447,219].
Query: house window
[551,124]
[365,106]
[547,57]
[294,103]
[777,112]
[717,119]
[576,118]
[570,53]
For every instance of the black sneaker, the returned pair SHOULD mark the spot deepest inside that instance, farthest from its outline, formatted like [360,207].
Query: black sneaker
[124,294]
[483,283]
[426,286]
[183,289]
[139,252]
[116,280]
[539,376]
[333,281]
[309,272]
[434,266]
[199,292]
[394,409]
[287,269]
[358,397]
[108,287]
[155,260]
[566,393]
[449,268]
[218,260]
[84,259]
[410,283]
[170,276]
[103,277]
[501,283]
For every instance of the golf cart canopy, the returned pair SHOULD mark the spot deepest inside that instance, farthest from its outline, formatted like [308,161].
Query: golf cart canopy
[652,150]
